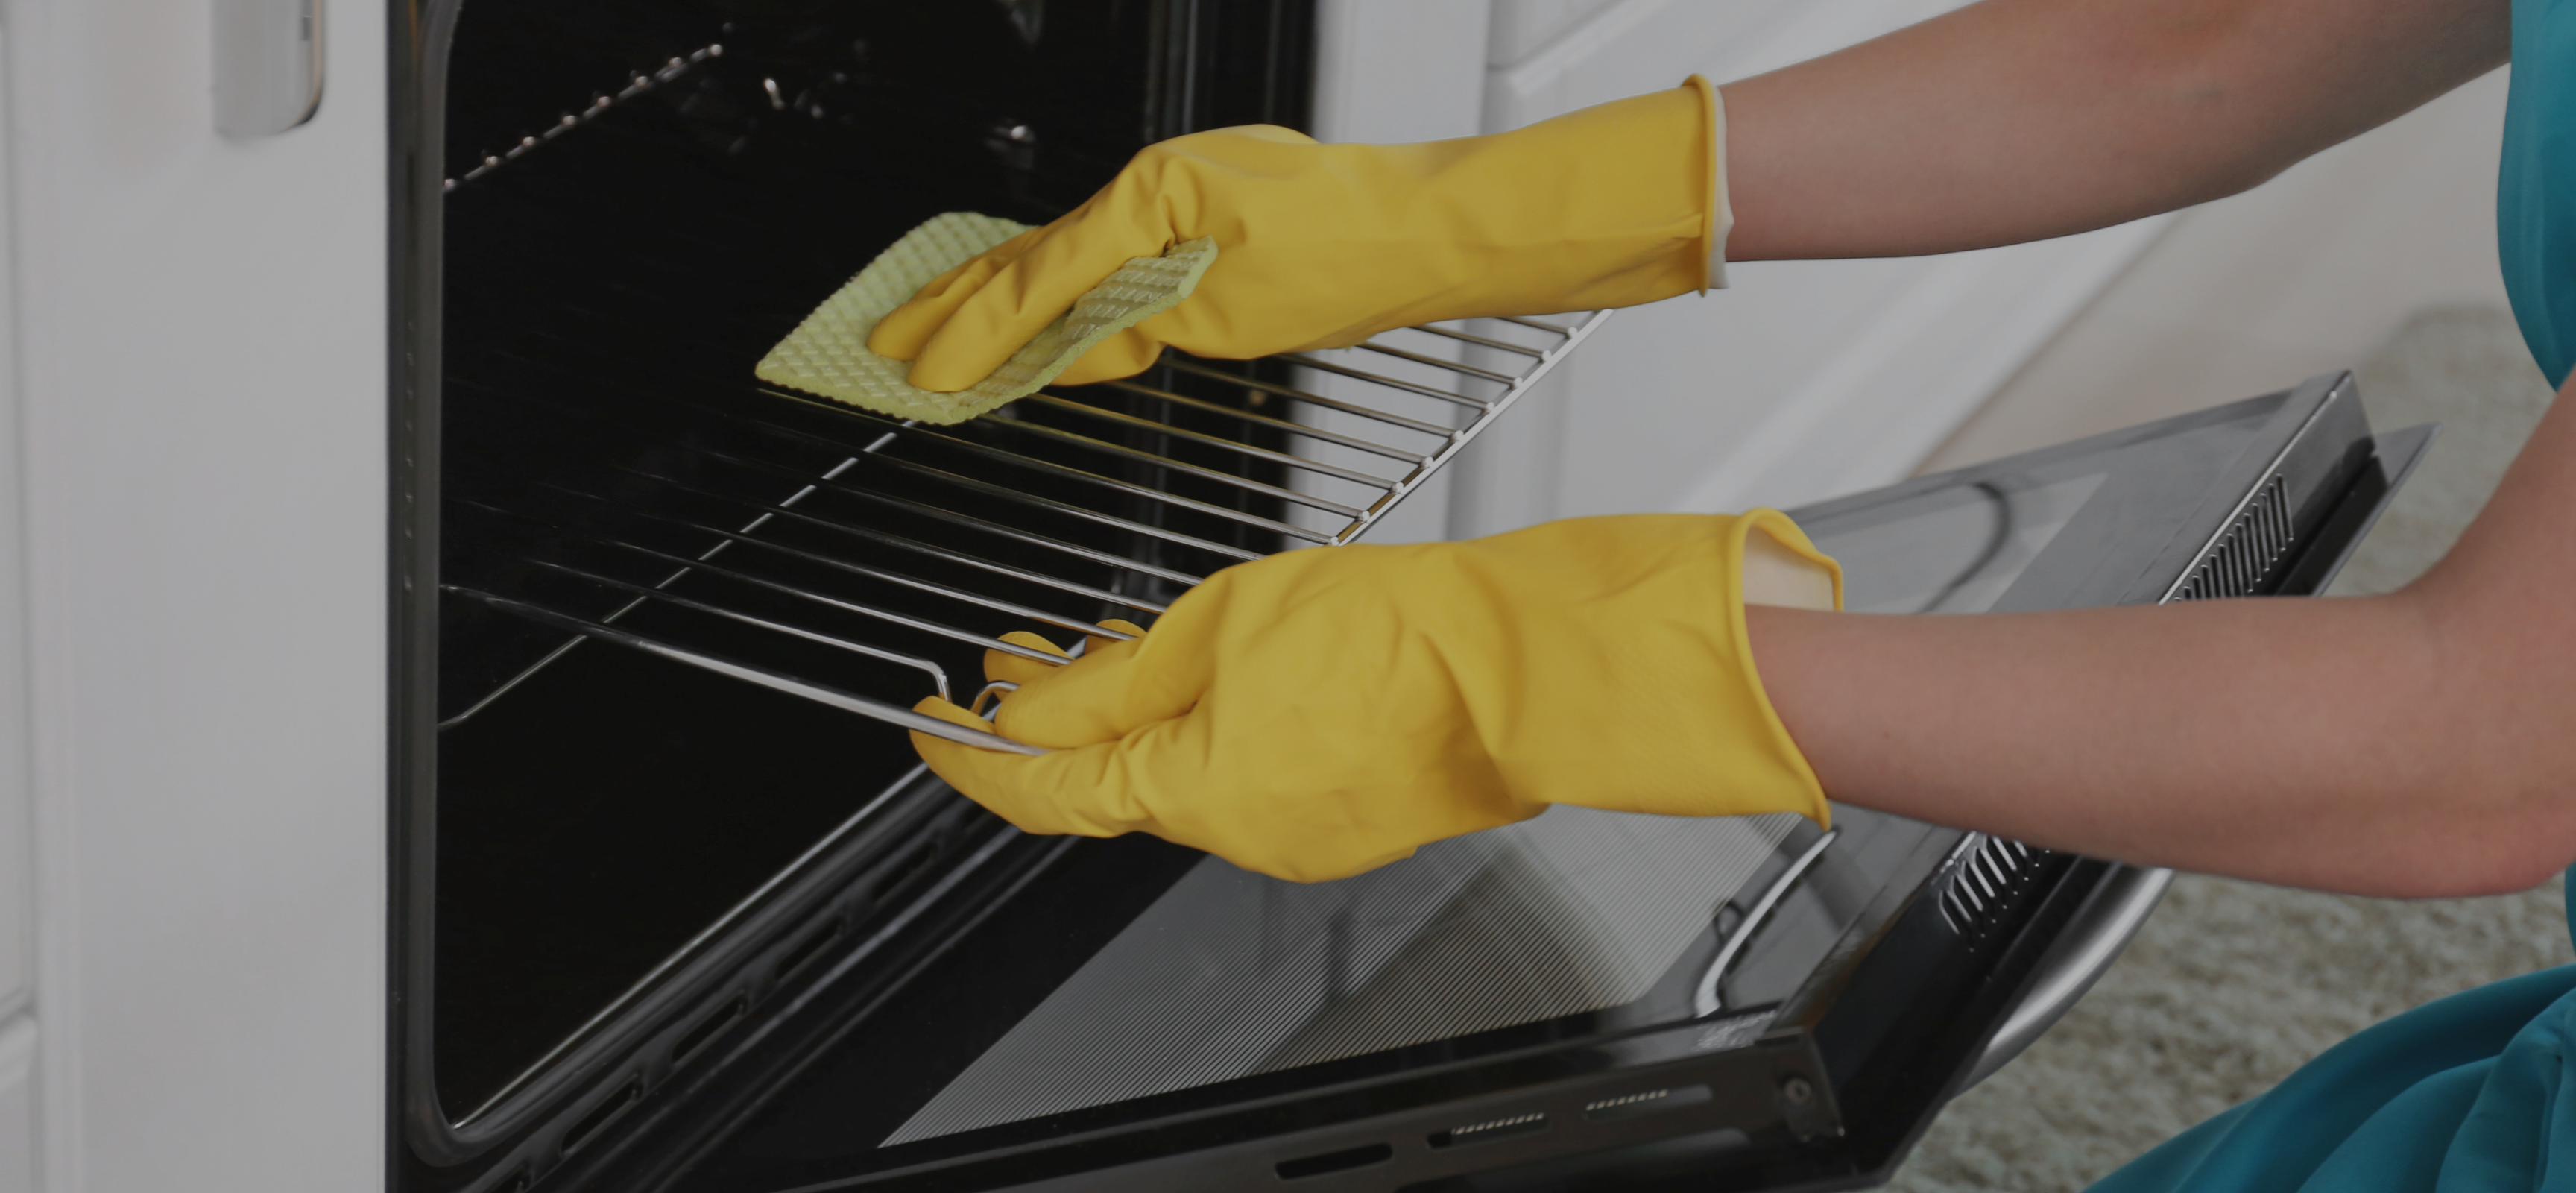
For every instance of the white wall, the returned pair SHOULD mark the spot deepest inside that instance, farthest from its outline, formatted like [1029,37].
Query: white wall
[1391,73]
[2306,273]
[1806,379]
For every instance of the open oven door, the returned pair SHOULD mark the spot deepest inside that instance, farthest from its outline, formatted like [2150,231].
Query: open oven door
[1588,999]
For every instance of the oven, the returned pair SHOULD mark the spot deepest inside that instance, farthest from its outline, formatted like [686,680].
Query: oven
[673,905]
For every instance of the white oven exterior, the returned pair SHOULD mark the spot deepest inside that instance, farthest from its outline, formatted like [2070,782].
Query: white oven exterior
[197,581]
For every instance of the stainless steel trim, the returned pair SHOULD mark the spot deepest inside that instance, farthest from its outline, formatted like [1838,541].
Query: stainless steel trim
[2271,471]
[1704,999]
[2093,940]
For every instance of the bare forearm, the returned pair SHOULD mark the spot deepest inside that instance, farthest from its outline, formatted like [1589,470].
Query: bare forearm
[2264,739]
[2417,744]
[2015,120]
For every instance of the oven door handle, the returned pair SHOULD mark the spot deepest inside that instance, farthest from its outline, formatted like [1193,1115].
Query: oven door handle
[2101,929]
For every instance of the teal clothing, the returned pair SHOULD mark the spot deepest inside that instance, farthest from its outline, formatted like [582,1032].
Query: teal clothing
[2536,189]
[2461,1095]
[2456,1096]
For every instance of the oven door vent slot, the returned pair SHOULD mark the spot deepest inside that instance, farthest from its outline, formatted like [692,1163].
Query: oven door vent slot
[1653,1101]
[2246,555]
[1993,874]
[1498,1128]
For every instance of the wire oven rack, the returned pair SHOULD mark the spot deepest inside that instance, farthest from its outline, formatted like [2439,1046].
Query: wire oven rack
[827,552]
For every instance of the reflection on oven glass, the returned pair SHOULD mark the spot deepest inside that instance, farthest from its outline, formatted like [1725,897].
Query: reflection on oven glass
[1232,974]
[1958,556]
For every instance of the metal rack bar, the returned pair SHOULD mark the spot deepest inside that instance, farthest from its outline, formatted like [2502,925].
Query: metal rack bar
[901,461]
[938,675]
[1312,399]
[908,621]
[951,517]
[1141,456]
[1318,434]
[1437,363]
[890,430]
[1482,342]
[901,543]
[1095,516]
[1247,450]
[1410,387]
[765,677]
[1125,488]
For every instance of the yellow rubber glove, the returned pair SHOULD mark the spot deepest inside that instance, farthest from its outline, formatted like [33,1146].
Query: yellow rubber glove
[1322,246]
[1326,711]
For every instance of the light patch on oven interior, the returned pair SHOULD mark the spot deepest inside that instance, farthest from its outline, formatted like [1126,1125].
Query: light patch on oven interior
[828,353]
[1231,973]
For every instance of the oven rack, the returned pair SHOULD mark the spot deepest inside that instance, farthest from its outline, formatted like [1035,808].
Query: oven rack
[859,561]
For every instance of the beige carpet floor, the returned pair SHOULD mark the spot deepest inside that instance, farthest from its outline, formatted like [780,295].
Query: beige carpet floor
[2231,985]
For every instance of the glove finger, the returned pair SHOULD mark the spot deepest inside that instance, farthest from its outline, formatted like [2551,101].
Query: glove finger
[1062,792]
[1123,355]
[1118,624]
[1011,667]
[1182,781]
[1024,296]
[906,328]
[1112,787]
[1020,669]
[1118,687]
[1088,701]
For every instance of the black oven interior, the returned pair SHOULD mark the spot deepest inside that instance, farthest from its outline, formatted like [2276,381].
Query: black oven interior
[614,208]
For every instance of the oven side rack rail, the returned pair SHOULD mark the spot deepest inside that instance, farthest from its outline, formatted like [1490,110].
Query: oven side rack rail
[1357,432]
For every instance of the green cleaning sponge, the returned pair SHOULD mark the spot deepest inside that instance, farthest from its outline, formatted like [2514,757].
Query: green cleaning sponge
[828,353]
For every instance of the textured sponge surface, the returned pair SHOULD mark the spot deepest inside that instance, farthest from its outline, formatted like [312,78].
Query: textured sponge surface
[828,353]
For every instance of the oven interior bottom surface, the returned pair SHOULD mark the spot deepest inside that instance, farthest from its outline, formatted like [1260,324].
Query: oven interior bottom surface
[1753,1002]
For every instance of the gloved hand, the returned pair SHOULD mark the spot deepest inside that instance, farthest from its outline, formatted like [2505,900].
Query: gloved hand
[1322,246]
[1326,711]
